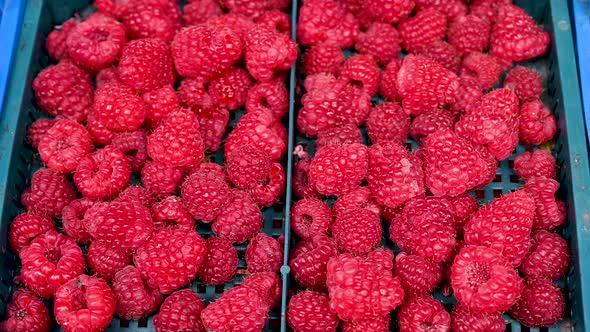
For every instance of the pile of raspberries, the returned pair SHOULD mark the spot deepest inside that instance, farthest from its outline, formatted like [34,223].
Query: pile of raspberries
[139,96]
[448,94]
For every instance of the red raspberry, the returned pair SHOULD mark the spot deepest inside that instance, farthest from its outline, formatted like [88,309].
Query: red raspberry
[73,219]
[381,40]
[487,9]
[271,190]
[451,8]
[361,71]
[146,65]
[309,259]
[205,50]
[388,122]
[352,298]
[468,93]
[107,75]
[111,7]
[388,11]
[103,174]
[213,122]
[341,135]
[430,121]
[210,169]
[134,147]
[176,141]
[335,169]
[137,194]
[183,303]
[119,108]
[492,121]
[26,227]
[100,135]
[418,275]
[484,281]
[152,19]
[357,232]
[38,129]
[49,261]
[170,213]
[276,21]
[323,58]
[483,68]
[548,258]
[192,92]
[424,84]
[268,51]
[467,321]
[426,27]
[134,299]
[525,83]
[160,179]
[325,21]
[96,43]
[25,313]
[248,166]
[541,304]
[105,260]
[539,163]
[264,254]
[220,263]
[469,33]
[200,11]
[237,302]
[311,217]
[205,196]
[463,207]
[64,90]
[360,198]
[516,36]
[230,90]
[237,22]
[272,97]
[182,252]
[159,104]
[395,175]
[240,220]
[423,313]
[537,123]
[310,311]
[387,87]
[49,193]
[56,40]
[549,213]
[376,324]
[253,8]
[302,187]
[443,53]
[268,286]
[260,129]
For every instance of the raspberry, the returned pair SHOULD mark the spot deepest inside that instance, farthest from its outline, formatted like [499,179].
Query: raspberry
[268,51]
[170,213]
[220,263]
[525,83]
[452,8]
[424,28]
[239,302]
[253,8]
[311,217]
[484,281]
[102,174]
[309,259]
[469,33]
[160,179]
[360,198]
[49,193]
[119,108]
[101,135]
[357,232]
[376,324]
[264,254]
[352,298]
[548,214]
[137,194]
[248,166]
[107,75]
[323,58]
[516,36]
[25,313]
[361,71]
[463,207]
[537,123]
[417,275]
[468,93]
[205,196]
[395,175]
[183,303]
[302,187]
[56,40]
[38,129]
[541,304]
[96,43]
[539,163]
[388,122]
[483,68]
[49,261]
[388,11]
[106,260]
[325,21]
[134,147]
[210,169]
[261,130]
[467,321]
[380,40]
[146,65]
[423,313]
[341,135]
[487,9]
[443,53]
[111,7]
[240,220]
[548,258]
[205,50]
[276,21]
[134,299]
[309,312]
[192,92]
[335,169]
[430,121]
[271,190]
[200,11]
[424,84]
[73,219]
[26,227]
[213,121]
[271,97]
[239,23]
[267,285]
[387,87]
[176,141]
[64,90]
[152,19]
[230,90]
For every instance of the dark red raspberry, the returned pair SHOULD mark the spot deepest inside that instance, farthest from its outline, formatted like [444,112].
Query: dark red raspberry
[105,260]
[253,8]
[267,284]
[302,187]
[220,263]
[152,19]
[64,90]
[360,198]
[134,299]
[26,227]
[237,302]
[107,75]
[267,51]
[452,8]
[541,304]
[325,21]
[443,53]
[361,71]
[146,65]
[426,27]
[323,58]
[468,93]
[335,169]
[481,67]
[425,84]
[134,147]
[260,129]
[525,83]
[210,169]
[159,104]
[184,303]
[192,92]
[395,175]
[73,219]
[97,129]
[240,220]
[418,275]
[388,122]
[468,321]
[549,214]
[357,232]
[85,303]
[103,174]
[271,97]
[469,33]
[537,123]
[118,108]
[311,217]
[388,11]
[56,40]
[237,22]
[64,145]
[96,43]
[49,261]
[309,260]
[484,281]
[160,179]
[430,121]
[213,122]
[422,314]
[200,11]
[170,213]
[271,190]
[381,258]
[230,89]
[310,311]
[463,207]
[539,163]
[341,135]
[387,86]
[376,324]
[205,50]
[276,21]
[205,196]
[49,193]
[111,7]
[264,254]
[24,313]
[38,129]
[487,9]
[248,166]
[137,194]
[549,256]
[380,40]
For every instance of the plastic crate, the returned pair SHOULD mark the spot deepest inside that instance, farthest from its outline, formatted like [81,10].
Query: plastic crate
[11,16]
[581,15]
[558,70]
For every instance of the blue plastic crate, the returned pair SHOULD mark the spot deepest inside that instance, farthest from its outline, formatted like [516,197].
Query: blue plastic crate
[581,15]
[11,17]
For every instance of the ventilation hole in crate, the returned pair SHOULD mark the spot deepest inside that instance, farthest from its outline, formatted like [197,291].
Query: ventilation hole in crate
[219,289]
[514,178]
[241,254]
[498,178]
[278,209]
[497,193]
[277,224]
[201,288]
[511,163]
[274,324]
[524,329]
[143,322]
[408,146]
[529,148]
[508,327]
[544,329]
[123,323]
[480,194]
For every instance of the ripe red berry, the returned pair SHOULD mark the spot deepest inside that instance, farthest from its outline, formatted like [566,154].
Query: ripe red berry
[431,121]
[264,254]
[170,213]
[105,260]
[451,8]
[152,19]
[426,27]
[482,68]
[271,97]
[26,227]
[134,147]
[323,58]
[361,71]
[381,40]
[267,285]
[341,135]
[107,75]
[443,53]
[539,163]
[309,260]
[468,321]
[240,220]
[239,301]
[375,324]
[133,298]
[302,187]
[388,122]
[541,304]
[525,83]
[103,174]
[205,196]
[537,123]
[311,217]
[325,21]
[220,263]
[357,231]
[73,221]
[463,207]
[230,90]
[118,108]
[49,193]
[267,51]
[160,179]
[248,166]
[213,122]
[24,313]
[263,131]
[97,129]
[487,9]
[253,8]
[469,33]
[56,40]
[335,170]
[309,311]
[360,198]
[137,194]
[64,145]
[549,212]
[276,21]
[389,11]
[418,275]
[270,191]
[159,104]
[183,303]
[146,64]
[387,87]
[38,129]
[423,313]
[549,256]
[200,11]
[468,93]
